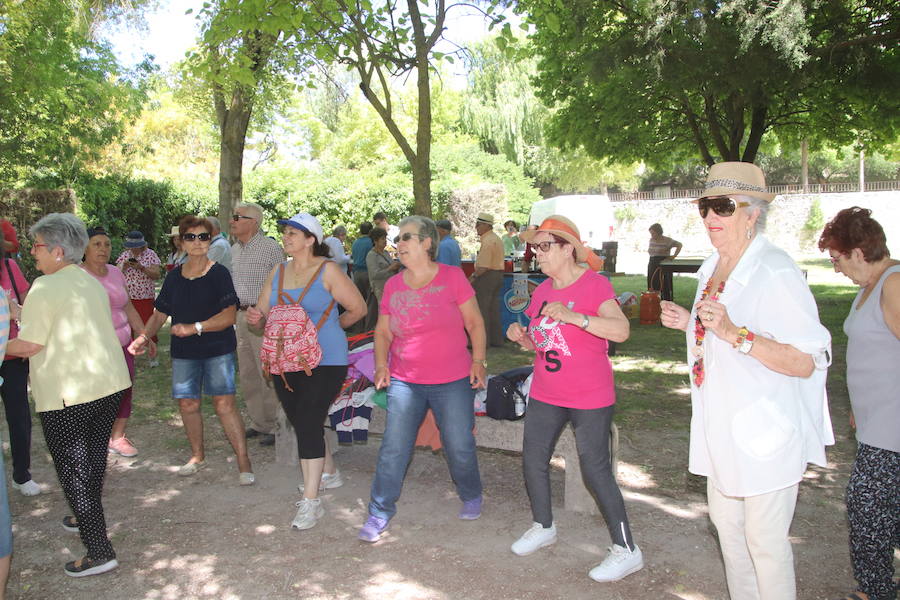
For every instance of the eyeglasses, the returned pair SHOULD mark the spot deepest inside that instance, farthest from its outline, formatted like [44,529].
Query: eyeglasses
[722,206]
[190,237]
[35,246]
[237,218]
[545,246]
[835,259]
[405,237]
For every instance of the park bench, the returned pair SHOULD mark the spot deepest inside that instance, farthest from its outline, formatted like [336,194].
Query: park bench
[489,433]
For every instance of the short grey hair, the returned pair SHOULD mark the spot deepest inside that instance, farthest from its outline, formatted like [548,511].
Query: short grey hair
[755,204]
[254,208]
[214,221]
[339,230]
[427,229]
[62,230]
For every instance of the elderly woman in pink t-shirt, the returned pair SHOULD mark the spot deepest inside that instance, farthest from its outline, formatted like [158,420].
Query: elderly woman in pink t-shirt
[126,321]
[573,314]
[421,357]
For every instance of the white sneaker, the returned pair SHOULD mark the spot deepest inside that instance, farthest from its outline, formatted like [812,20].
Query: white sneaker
[619,563]
[329,482]
[29,488]
[309,512]
[534,539]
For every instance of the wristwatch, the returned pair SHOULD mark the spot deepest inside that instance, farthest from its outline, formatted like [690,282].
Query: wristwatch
[585,321]
[199,327]
[482,362]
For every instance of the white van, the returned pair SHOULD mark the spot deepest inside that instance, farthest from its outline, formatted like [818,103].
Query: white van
[592,214]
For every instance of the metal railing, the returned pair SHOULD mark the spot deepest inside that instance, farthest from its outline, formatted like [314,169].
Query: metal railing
[790,188]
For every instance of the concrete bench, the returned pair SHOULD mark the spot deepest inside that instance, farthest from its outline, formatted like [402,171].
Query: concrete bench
[489,433]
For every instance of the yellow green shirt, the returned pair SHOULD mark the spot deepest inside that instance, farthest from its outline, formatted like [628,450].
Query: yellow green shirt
[68,314]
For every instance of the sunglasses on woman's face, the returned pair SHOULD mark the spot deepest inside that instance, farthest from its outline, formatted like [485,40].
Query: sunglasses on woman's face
[190,237]
[405,237]
[724,206]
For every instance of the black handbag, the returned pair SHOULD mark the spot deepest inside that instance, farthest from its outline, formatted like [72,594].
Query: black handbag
[503,394]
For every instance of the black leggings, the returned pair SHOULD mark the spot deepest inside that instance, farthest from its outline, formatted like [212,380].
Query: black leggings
[78,437]
[543,425]
[307,406]
[14,390]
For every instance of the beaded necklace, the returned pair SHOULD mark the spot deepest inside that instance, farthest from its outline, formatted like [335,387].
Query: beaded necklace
[700,333]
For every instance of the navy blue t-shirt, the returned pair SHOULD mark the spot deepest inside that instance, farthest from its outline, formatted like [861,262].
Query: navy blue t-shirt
[192,300]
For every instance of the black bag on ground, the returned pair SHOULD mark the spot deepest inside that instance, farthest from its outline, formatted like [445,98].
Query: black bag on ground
[503,393]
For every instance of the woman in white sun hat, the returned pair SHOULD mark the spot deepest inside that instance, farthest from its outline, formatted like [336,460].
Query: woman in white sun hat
[759,357]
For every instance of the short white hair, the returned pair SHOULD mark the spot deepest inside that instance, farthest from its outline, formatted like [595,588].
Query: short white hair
[755,204]
[255,209]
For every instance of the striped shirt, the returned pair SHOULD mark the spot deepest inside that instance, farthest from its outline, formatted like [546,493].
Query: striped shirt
[251,263]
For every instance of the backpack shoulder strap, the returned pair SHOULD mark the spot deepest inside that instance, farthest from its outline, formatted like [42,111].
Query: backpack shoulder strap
[311,281]
[283,297]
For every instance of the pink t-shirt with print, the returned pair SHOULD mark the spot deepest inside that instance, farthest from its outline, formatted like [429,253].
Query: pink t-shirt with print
[140,286]
[114,284]
[429,335]
[571,367]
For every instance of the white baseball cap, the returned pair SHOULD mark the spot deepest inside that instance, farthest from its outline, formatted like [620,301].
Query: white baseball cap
[305,222]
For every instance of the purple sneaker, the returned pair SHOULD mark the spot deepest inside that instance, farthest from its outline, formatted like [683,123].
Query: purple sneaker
[373,529]
[471,509]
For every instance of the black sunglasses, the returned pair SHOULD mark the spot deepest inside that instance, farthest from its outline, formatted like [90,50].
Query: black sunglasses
[237,218]
[190,237]
[408,236]
[722,206]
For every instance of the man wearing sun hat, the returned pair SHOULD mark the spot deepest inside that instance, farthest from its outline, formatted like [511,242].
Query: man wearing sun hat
[487,279]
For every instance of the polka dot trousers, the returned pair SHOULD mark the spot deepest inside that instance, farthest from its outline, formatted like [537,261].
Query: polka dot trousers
[77,437]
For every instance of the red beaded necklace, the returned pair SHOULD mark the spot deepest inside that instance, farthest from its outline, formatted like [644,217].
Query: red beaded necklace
[700,333]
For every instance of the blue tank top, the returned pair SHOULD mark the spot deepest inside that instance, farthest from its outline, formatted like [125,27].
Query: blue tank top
[332,338]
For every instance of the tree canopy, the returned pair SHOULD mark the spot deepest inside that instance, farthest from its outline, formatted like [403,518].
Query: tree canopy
[660,81]
[63,96]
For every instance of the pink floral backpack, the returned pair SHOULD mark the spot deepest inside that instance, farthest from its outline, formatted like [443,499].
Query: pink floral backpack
[290,338]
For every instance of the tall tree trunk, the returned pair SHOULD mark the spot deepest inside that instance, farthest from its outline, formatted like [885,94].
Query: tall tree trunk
[234,118]
[804,165]
[862,170]
[422,166]
[757,129]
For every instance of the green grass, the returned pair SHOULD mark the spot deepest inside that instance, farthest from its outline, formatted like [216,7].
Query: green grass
[650,368]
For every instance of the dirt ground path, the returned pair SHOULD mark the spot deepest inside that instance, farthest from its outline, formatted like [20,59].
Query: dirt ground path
[206,537]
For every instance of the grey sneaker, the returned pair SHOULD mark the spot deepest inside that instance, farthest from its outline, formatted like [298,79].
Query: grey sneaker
[619,563]
[534,539]
[309,512]
[329,481]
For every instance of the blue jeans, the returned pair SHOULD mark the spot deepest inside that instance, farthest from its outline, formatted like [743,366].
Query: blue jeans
[407,404]
[192,377]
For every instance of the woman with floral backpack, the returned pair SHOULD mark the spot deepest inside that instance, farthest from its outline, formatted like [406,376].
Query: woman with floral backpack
[304,344]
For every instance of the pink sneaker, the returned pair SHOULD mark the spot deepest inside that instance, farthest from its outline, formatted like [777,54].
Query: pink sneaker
[122,447]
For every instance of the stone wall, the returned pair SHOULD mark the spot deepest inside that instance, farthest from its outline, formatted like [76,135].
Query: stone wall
[787,217]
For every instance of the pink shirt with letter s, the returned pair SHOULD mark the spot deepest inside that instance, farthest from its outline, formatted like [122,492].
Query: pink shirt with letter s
[430,340]
[571,366]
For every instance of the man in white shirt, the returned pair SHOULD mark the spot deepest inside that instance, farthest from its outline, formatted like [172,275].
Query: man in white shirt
[335,243]
[380,220]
